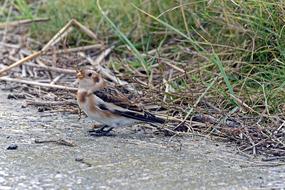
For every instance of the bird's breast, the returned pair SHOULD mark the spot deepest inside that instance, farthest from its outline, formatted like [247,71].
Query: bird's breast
[81,97]
[88,103]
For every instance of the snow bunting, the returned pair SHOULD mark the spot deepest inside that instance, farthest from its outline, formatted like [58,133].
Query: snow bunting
[108,105]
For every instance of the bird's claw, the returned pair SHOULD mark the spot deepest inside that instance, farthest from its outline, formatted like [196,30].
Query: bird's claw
[79,114]
[103,131]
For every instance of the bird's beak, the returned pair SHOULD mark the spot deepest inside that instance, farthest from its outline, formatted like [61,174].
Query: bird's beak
[79,75]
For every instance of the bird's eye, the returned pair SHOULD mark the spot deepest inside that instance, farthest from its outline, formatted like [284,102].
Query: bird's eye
[89,74]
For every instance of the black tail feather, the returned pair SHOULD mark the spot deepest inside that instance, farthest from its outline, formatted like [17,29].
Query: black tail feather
[146,117]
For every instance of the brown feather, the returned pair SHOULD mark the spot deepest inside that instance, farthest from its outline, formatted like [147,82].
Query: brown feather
[92,104]
[81,96]
[112,95]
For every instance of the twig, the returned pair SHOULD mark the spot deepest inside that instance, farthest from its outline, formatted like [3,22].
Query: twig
[41,63]
[103,55]
[174,67]
[62,35]
[167,85]
[56,79]
[57,35]
[38,84]
[59,141]
[35,54]
[199,99]
[43,66]
[264,164]
[10,45]
[55,39]
[70,50]
[55,69]
[242,104]
[84,29]
[273,158]
[247,134]
[22,22]
[212,106]
[72,111]
[81,160]
[50,103]
[24,71]
[189,72]
[280,127]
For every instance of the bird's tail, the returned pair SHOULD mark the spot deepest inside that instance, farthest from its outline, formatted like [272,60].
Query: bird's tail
[146,116]
[153,118]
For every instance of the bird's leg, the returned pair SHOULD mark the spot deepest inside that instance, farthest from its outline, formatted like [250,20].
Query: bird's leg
[95,128]
[79,113]
[103,131]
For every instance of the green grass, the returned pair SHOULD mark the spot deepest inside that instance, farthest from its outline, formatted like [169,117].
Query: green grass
[242,44]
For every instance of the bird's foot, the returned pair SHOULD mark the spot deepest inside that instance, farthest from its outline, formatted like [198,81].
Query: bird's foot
[103,131]
[95,127]
[79,113]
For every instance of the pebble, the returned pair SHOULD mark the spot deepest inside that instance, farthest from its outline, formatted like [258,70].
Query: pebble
[12,147]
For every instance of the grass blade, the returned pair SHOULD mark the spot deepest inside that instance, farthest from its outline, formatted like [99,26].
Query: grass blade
[214,57]
[124,38]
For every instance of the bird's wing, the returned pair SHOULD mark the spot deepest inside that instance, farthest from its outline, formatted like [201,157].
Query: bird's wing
[141,116]
[117,97]
[122,99]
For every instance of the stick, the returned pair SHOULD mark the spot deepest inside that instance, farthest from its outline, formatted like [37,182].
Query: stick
[55,69]
[243,104]
[81,160]
[57,35]
[59,141]
[22,22]
[84,29]
[62,35]
[167,86]
[199,99]
[83,48]
[38,84]
[21,61]
[50,103]
[43,66]
[41,63]
[174,67]
[64,31]
[10,45]
[56,79]
[103,55]
[55,38]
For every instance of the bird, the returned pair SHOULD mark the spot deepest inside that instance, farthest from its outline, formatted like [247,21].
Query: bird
[109,105]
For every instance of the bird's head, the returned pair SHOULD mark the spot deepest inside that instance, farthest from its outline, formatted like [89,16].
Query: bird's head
[89,79]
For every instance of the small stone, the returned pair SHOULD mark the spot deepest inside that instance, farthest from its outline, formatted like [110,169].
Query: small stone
[10,96]
[41,109]
[12,147]
[78,159]
[16,96]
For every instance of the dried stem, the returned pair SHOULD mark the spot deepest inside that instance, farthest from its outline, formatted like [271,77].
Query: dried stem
[38,84]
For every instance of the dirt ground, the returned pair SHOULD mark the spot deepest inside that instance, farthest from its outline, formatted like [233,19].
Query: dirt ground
[129,159]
